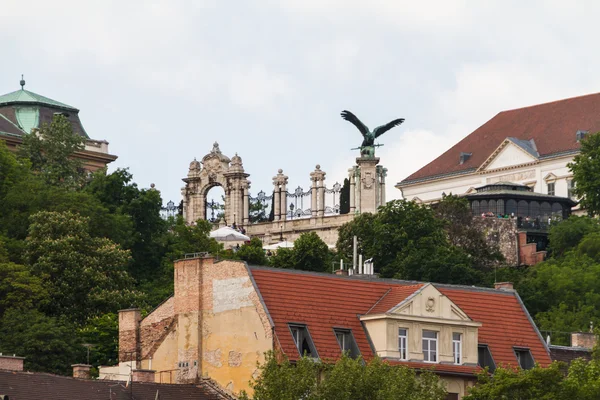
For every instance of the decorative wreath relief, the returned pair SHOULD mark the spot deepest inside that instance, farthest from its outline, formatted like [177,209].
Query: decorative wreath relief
[430,304]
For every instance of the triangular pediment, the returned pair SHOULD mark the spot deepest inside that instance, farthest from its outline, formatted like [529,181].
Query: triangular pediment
[550,177]
[430,302]
[512,152]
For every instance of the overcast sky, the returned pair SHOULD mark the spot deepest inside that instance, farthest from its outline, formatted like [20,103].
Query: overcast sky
[163,80]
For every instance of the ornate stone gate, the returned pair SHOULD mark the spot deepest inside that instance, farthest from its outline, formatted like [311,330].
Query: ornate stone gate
[216,169]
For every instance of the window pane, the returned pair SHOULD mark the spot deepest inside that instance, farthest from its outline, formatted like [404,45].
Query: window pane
[456,336]
[430,334]
[402,332]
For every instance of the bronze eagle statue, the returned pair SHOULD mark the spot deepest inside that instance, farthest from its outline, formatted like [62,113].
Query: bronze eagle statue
[367,148]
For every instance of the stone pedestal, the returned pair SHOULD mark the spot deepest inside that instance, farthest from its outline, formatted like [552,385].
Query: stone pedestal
[369,182]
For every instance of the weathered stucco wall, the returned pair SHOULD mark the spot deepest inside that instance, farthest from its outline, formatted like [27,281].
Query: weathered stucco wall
[236,330]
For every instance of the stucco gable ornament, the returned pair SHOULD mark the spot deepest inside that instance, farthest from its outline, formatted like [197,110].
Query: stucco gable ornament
[430,304]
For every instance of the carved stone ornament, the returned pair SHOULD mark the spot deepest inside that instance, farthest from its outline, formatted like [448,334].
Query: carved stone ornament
[368,180]
[430,304]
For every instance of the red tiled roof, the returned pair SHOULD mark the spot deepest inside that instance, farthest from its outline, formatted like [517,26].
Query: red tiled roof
[323,302]
[552,126]
[394,296]
[35,386]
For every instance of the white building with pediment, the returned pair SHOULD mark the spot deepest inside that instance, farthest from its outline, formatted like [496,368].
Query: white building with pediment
[530,146]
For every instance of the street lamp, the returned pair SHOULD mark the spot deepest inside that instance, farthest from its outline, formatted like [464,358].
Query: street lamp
[292,211]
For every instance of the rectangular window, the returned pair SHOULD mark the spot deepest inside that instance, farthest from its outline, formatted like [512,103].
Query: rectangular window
[347,343]
[570,187]
[403,343]
[303,341]
[457,347]
[484,358]
[524,358]
[551,189]
[430,346]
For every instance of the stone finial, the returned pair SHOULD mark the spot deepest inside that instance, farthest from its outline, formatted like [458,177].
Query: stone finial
[317,174]
[195,166]
[215,148]
[280,178]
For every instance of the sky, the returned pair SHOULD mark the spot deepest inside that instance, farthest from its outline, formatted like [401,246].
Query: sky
[162,80]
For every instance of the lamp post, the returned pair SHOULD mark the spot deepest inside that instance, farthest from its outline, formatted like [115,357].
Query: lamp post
[291,210]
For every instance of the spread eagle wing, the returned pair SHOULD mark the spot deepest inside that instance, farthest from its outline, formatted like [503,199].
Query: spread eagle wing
[380,130]
[348,116]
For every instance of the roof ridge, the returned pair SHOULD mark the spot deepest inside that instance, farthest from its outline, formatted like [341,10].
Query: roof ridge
[551,102]
[356,278]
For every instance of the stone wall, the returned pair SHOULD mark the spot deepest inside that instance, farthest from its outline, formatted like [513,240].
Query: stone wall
[503,233]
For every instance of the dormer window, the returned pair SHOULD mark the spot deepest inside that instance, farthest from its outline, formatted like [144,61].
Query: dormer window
[430,339]
[464,157]
[524,358]
[303,341]
[347,343]
[484,358]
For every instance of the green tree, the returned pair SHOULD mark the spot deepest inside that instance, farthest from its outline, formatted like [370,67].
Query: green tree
[47,343]
[85,276]
[408,241]
[283,258]
[253,252]
[102,333]
[567,234]
[11,170]
[506,383]
[346,379]
[311,253]
[19,289]
[345,197]
[586,174]
[51,152]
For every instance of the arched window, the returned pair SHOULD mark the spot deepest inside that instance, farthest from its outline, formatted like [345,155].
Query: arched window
[511,207]
[500,207]
[546,210]
[483,206]
[475,207]
[557,210]
[492,206]
[523,209]
[534,209]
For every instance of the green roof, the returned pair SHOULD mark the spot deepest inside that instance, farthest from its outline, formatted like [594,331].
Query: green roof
[23,96]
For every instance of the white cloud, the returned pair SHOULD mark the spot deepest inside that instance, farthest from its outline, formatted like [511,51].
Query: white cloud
[256,87]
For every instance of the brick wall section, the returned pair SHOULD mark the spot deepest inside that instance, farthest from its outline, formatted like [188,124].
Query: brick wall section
[156,326]
[528,254]
[129,321]
[11,363]
[143,375]
[503,233]
[583,339]
[568,354]
[81,371]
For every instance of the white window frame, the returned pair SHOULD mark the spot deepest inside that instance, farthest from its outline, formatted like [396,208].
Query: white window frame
[553,191]
[403,343]
[457,348]
[429,352]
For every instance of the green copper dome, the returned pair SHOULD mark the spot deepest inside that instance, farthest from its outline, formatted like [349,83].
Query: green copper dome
[23,96]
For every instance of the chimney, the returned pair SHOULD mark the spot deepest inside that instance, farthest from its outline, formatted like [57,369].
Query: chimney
[583,339]
[81,371]
[341,272]
[129,334]
[464,157]
[143,375]
[503,286]
[11,363]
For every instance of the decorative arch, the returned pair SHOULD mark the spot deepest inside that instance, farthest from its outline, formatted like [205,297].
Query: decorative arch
[216,169]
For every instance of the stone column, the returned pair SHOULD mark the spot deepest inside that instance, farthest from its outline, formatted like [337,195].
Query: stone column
[279,183]
[383,175]
[313,196]
[352,190]
[368,184]
[192,199]
[318,201]
[246,220]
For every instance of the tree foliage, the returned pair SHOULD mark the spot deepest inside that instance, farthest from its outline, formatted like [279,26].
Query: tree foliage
[253,253]
[348,378]
[310,253]
[50,152]
[586,174]
[411,241]
[85,276]
[345,197]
